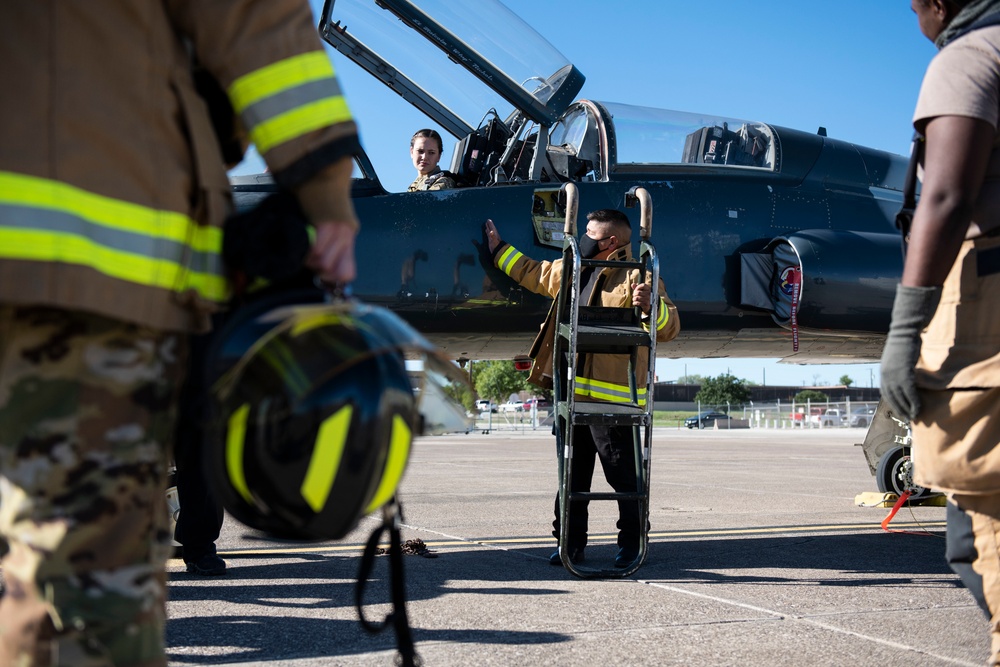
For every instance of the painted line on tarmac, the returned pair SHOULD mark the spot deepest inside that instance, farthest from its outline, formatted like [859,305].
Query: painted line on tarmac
[811,621]
[455,541]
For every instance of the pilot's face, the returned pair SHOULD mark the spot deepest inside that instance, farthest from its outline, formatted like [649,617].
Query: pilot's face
[425,155]
[932,15]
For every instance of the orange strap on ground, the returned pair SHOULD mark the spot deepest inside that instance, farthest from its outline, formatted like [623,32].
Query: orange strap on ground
[895,508]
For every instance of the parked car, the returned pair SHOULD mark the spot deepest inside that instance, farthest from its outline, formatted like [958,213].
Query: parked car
[538,403]
[512,406]
[862,417]
[703,419]
[485,406]
[818,417]
[828,417]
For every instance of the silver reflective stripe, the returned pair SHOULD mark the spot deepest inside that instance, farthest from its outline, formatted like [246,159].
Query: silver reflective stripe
[289,100]
[62,222]
[509,258]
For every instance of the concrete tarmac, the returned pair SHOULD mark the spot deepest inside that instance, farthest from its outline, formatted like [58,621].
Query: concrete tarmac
[758,556]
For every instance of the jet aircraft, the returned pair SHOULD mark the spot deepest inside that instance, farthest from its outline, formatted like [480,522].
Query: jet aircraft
[773,242]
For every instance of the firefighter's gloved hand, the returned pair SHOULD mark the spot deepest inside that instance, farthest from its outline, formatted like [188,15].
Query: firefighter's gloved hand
[911,313]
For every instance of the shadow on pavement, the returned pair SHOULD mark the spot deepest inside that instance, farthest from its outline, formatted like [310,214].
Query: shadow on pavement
[315,584]
[324,583]
[869,559]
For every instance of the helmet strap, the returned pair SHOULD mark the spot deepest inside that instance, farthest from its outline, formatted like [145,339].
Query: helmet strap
[391,518]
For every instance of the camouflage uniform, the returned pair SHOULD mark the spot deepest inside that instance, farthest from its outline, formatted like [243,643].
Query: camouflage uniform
[113,193]
[436,180]
[85,422]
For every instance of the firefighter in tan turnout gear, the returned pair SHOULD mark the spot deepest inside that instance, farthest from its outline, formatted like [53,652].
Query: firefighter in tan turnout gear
[600,377]
[113,190]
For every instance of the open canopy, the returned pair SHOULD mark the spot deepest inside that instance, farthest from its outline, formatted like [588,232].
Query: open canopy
[480,72]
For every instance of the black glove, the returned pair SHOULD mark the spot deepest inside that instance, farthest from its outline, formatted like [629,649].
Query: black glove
[911,313]
[268,244]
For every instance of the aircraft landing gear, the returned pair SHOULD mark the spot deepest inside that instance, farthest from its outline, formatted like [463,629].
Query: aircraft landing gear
[887,452]
[894,474]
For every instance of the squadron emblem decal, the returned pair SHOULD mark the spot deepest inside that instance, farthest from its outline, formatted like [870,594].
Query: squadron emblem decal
[786,281]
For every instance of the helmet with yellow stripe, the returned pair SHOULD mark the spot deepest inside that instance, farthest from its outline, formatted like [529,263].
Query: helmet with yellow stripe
[314,414]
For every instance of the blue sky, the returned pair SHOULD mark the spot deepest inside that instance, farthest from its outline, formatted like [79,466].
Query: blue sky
[852,66]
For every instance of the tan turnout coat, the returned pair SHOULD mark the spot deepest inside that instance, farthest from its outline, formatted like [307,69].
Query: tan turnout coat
[601,377]
[111,178]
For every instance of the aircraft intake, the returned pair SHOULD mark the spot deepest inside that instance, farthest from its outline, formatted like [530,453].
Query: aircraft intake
[847,280]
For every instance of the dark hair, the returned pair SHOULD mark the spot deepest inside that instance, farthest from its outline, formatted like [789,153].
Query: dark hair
[611,216]
[428,134]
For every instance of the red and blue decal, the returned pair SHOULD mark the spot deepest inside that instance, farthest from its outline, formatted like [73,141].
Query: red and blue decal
[788,280]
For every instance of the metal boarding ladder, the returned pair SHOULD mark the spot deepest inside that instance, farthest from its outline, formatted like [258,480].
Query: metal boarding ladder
[589,330]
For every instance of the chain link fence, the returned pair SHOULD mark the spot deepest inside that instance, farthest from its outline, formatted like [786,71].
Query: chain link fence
[532,419]
[779,414]
[806,415]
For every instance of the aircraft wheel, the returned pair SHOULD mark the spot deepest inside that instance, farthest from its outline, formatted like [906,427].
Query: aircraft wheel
[895,474]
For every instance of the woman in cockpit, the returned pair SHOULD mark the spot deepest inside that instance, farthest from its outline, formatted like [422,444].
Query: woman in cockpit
[425,151]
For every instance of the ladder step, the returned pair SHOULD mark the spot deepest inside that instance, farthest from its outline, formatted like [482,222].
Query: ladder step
[612,263]
[605,414]
[606,315]
[599,328]
[606,495]
[604,337]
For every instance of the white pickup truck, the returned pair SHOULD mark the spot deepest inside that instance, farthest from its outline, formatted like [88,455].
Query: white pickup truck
[828,418]
[512,406]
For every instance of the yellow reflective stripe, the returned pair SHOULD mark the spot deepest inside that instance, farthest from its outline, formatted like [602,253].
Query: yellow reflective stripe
[399,453]
[302,120]
[54,247]
[235,440]
[278,77]
[50,220]
[662,315]
[325,460]
[508,258]
[288,99]
[608,391]
[611,386]
[34,192]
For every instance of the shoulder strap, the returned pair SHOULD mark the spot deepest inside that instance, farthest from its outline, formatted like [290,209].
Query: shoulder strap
[904,219]
[407,655]
[905,216]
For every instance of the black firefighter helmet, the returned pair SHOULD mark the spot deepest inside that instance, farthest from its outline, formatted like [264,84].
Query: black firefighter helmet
[313,413]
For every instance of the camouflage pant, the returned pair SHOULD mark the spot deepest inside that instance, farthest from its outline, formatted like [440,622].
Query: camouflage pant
[86,412]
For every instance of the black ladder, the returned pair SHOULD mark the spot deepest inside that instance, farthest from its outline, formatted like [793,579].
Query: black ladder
[588,330]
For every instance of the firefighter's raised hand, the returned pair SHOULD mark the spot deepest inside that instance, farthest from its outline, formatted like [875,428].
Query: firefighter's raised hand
[641,297]
[492,235]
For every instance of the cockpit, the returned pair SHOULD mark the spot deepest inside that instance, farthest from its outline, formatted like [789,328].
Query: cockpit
[593,140]
[512,110]
[748,146]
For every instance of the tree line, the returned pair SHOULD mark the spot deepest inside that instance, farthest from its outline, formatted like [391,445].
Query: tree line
[497,380]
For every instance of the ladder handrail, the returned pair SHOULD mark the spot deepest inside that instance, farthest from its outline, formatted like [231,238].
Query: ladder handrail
[565,359]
